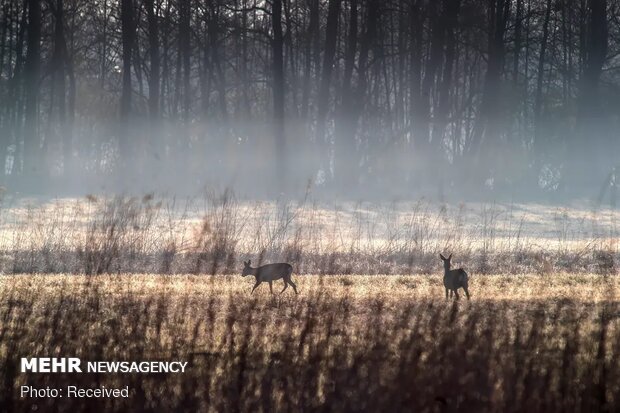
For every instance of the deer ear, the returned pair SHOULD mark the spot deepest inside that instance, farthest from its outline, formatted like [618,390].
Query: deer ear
[450,257]
[245,263]
[249,262]
[442,257]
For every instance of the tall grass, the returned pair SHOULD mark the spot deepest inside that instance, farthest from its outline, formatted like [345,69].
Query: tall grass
[211,234]
[368,344]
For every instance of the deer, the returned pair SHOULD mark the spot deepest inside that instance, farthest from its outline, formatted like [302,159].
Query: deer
[269,273]
[454,279]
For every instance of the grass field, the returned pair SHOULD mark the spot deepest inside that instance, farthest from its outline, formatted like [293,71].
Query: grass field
[541,332]
[346,342]
[215,233]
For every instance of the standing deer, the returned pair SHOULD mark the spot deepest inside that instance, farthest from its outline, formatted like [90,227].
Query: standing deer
[270,273]
[453,279]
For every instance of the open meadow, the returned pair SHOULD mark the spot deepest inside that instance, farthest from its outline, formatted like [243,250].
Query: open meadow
[140,279]
[345,343]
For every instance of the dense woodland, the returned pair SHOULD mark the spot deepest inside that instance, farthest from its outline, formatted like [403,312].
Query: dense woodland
[376,96]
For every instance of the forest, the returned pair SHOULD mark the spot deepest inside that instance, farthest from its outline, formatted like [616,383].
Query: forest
[387,98]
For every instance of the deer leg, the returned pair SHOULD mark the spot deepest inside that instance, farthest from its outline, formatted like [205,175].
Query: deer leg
[447,293]
[255,286]
[271,286]
[285,286]
[456,294]
[466,292]
[293,285]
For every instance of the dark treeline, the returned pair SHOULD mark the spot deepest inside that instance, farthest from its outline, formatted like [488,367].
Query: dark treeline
[516,97]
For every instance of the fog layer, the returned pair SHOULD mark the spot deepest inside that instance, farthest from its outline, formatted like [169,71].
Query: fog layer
[355,99]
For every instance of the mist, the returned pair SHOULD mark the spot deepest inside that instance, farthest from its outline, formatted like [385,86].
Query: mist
[451,99]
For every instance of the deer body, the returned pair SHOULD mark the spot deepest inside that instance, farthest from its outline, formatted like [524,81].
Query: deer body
[270,273]
[454,279]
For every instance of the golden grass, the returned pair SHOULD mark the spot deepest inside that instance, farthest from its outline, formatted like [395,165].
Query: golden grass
[380,343]
[392,289]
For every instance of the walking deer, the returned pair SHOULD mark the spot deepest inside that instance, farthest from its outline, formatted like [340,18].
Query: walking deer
[269,273]
[454,279]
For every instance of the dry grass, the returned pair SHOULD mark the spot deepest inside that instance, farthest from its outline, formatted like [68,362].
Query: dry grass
[213,234]
[373,343]
[542,332]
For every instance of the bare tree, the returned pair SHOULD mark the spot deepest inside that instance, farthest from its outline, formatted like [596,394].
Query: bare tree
[128,41]
[281,168]
[32,75]
[333,15]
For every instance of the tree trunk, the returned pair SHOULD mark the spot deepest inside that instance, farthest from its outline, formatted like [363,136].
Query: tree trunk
[185,51]
[345,136]
[104,43]
[154,78]
[538,147]
[61,67]
[517,42]
[156,145]
[4,97]
[440,121]
[416,118]
[32,74]
[216,62]
[484,144]
[183,86]
[591,149]
[311,45]
[333,15]
[16,99]
[353,107]
[280,164]
[433,66]
[128,40]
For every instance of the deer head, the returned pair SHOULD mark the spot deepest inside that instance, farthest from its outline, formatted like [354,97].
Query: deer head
[247,270]
[446,261]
